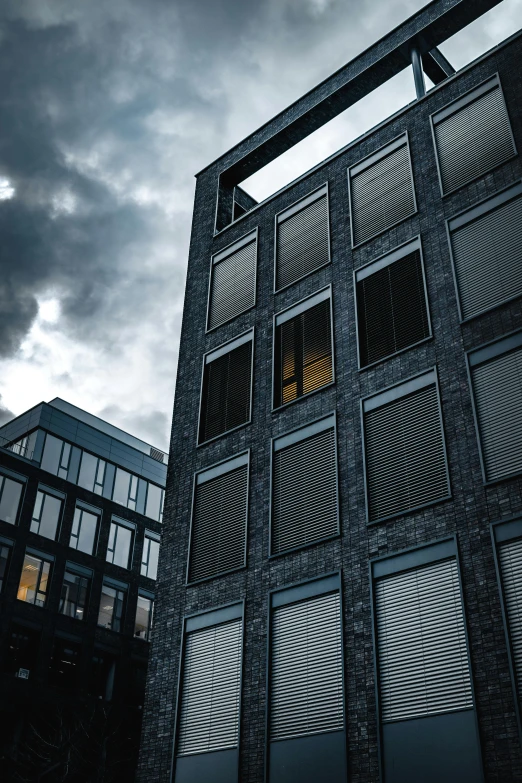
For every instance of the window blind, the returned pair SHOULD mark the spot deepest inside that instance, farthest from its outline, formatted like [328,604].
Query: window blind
[302,239]
[510,556]
[232,282]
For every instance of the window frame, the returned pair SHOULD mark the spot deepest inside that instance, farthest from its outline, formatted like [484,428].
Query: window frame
[119,522]
[300,307]
[119,587]
[94,511]
[152,536]
[487,351]
[365,163]
[391,393]
[221,255]
[82,573]
[294,208]
[43,557]
[21,479]
[221,350]
[95,483]
[64,444]
[62,497]
[381,262]
[468,97]
[217,469]
[470,215]
[9,544]
[297,435]
[149,597]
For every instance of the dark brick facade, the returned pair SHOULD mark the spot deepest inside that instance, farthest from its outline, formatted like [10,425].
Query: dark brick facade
[470,511]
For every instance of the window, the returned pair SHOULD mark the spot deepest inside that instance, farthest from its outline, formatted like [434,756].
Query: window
[84,529]
[154,505]
[486,244]
[125,489]
[34,579]
[111,605]
[5,554]
[392,310]
[219,516]
[472,135]
[303,356]
[25,446]
[404,448]
[92,473]
[63,668]
[233,281]
[75,591]
[210,688]
[304,487]
[149,558]
[56,456]
[23,650]
[46,514]
[381,191]
[144,614]
[225,400]
[10,494]
[302,238]
[496,377]
[120,543]
[508,539]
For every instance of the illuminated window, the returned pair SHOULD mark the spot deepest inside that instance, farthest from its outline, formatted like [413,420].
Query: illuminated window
[149,558]
[10,494]
[303,356]
[46,514]
[120,543]
[34,580]
[84,529]
[111,607]
[75,591]
[144,613]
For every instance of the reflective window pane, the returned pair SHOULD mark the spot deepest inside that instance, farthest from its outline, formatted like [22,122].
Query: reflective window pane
[88,469]
[51,454]
[84,529]
[11,492]
[119,547]
[73,601]
[149,564]
[153,506]
[143,623]
[46,514]
[5,551]
[121,487]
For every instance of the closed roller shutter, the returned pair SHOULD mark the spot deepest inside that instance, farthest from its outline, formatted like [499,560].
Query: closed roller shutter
[303,354]
[473,140]
[510,555]
[391,309]
[209,716]
[302,242]
[405,459]
[219,525]
[498,397]
[306,672]
[382,195]
[488,259]
[232,285]
[421,643]
[226,392]
[305,492]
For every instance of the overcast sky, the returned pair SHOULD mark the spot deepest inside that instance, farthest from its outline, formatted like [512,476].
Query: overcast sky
[107,110]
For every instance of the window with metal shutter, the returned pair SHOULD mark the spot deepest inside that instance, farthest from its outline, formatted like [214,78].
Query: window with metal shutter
[225,402]
[405,454]
[306,668]
[486,245]
[303,349]
[421,643]
[304,494]
[219,519]
[510,556]
[302,239]
[392,311]
[381,191]
[233,281]
[472,136]
[497,384]
[210,690]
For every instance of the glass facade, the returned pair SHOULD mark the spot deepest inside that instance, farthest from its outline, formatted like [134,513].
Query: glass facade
[56,456]
[92,473]
[149,558]
[144,613]
[10,494]
[84,530]
[46,514]
[119,546]
[34,580]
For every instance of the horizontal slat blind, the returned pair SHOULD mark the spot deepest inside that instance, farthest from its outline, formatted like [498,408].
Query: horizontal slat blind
[391,308]
[305,492]
[306,672]
[510,554]
[473,140]
[232,285]
[421,643]
[226,392]
[303,354]
[382,195]
[405,458]
[209,716]
[219,525]
[498,397]
[488,259]
[302,242]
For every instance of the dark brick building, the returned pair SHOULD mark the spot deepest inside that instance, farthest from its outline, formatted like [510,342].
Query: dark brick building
[340,585]
[80,517]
